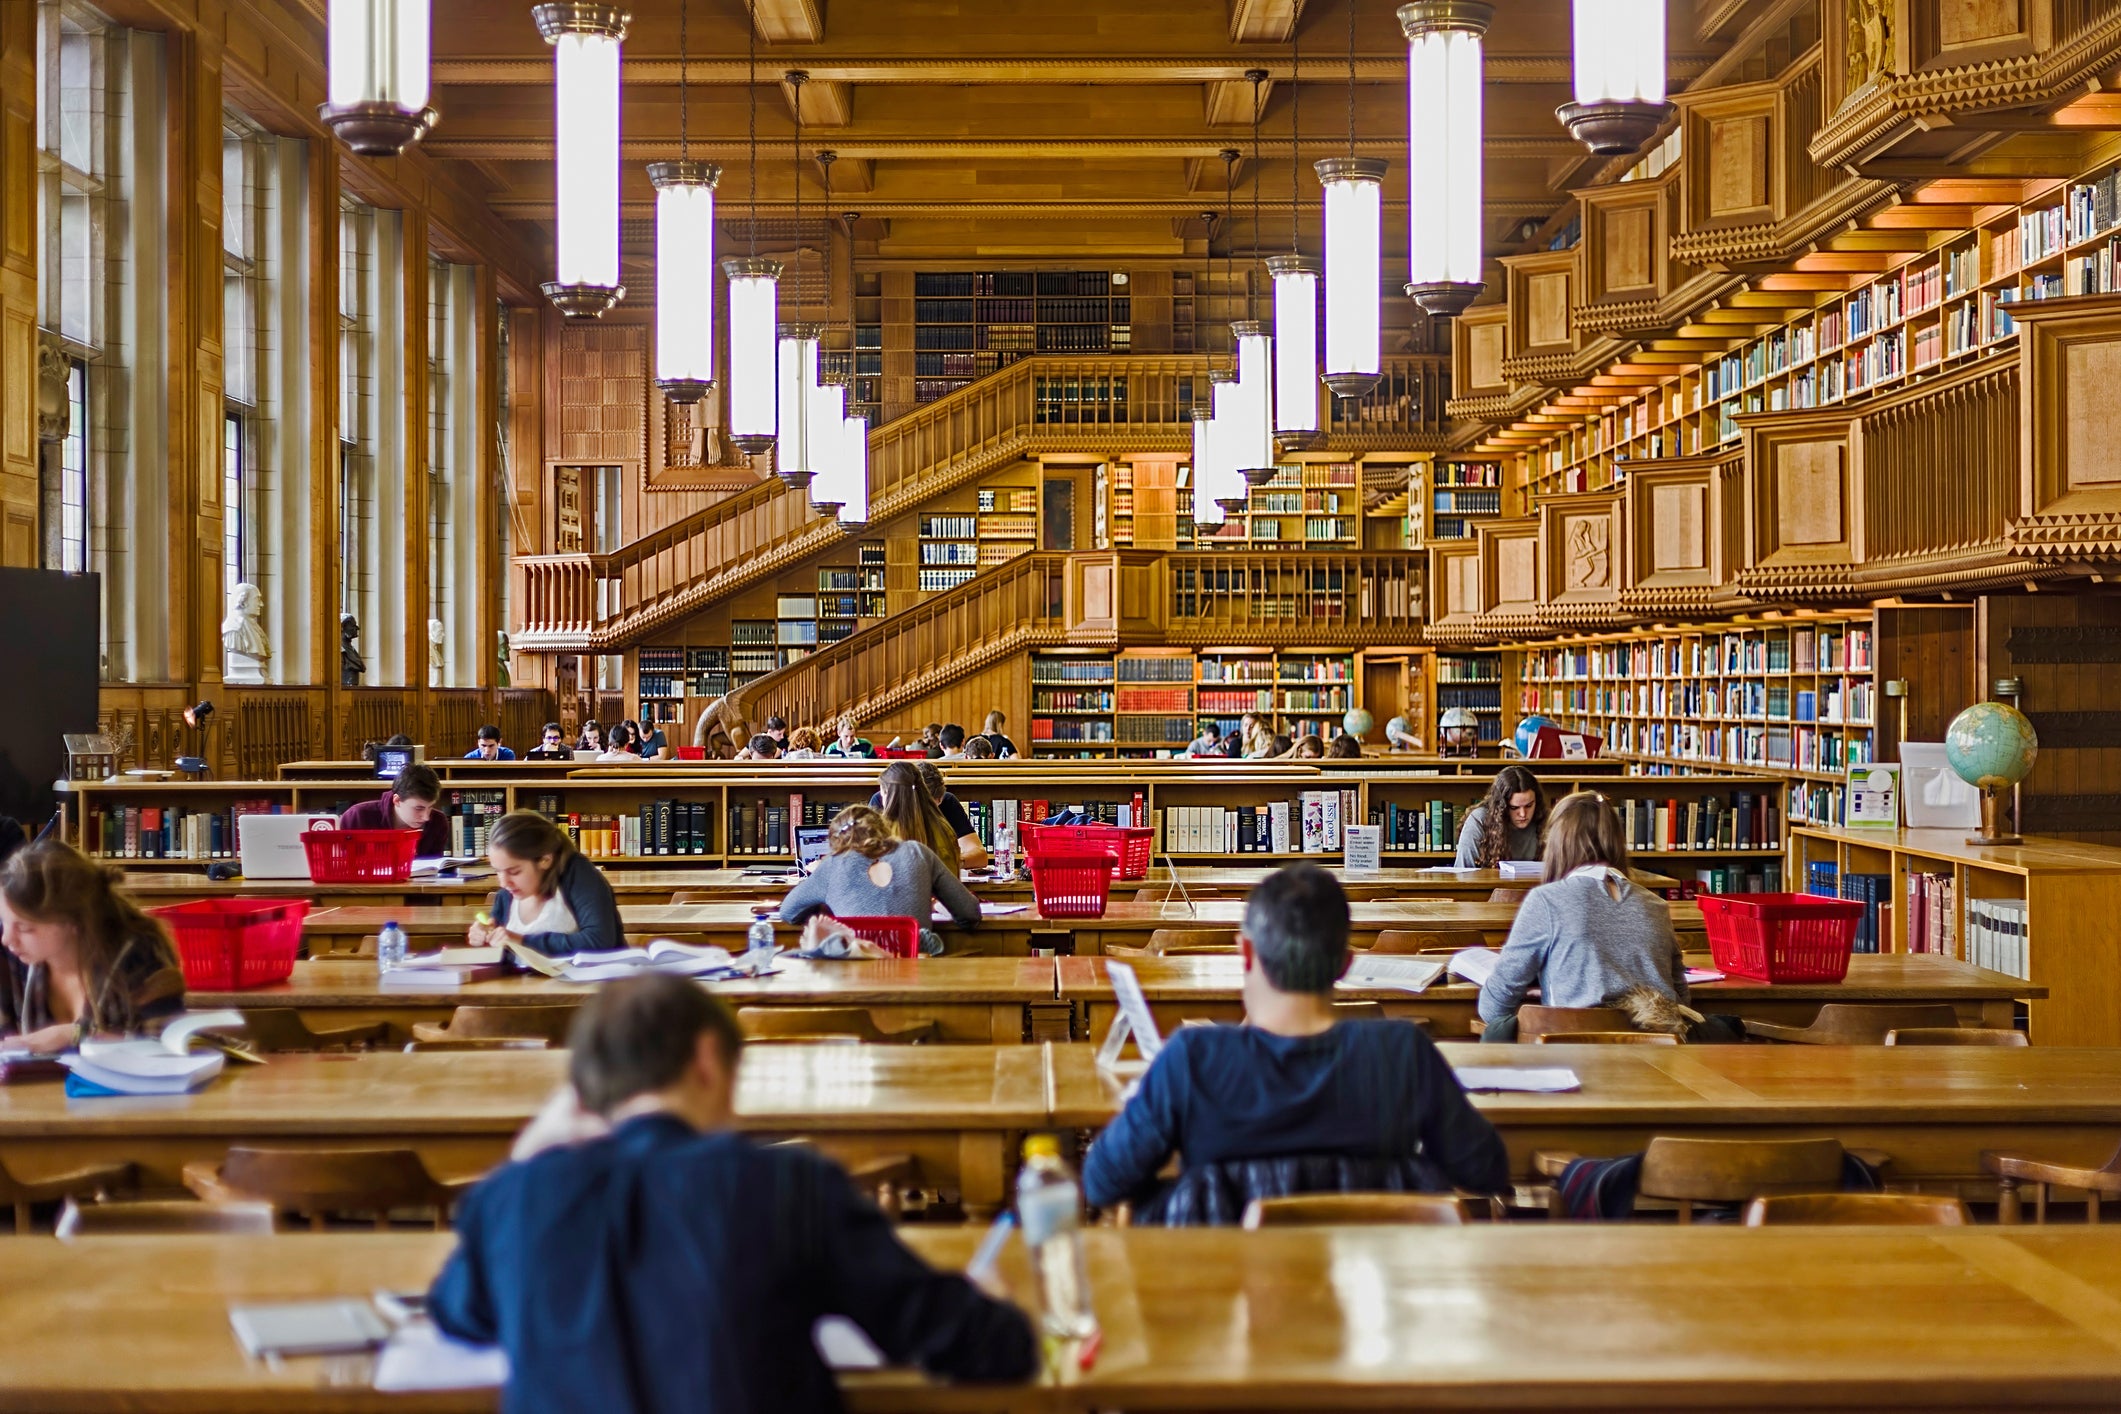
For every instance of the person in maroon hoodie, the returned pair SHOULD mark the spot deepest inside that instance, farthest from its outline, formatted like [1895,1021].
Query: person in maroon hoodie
[411,803]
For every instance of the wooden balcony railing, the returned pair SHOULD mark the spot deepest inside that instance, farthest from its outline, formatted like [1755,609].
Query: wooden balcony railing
[1406,406]
[1940,466]
[1292,597]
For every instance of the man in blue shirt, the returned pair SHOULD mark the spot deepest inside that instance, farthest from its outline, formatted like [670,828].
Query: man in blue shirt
[671,1265]
[1316,1102]
[489,747]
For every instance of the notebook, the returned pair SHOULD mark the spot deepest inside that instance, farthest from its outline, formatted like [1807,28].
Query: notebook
[307,1328]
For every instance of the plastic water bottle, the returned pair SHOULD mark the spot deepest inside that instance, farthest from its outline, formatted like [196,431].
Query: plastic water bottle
[1005,852]
[759,950]
[1049,1207]
[391,947]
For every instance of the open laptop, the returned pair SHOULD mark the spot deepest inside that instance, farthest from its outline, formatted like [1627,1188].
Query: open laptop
[270,846]
[811,844]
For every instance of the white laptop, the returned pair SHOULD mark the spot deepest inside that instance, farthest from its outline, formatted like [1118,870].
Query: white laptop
[270,846]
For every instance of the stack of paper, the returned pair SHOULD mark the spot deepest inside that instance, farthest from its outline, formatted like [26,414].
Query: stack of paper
[1545,1081]
[446,970]
[1407,974]
[162,1065]
[1520,868]
[662,955]
[419,1357]
[1476,965]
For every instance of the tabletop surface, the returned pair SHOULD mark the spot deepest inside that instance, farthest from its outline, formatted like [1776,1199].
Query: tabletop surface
[1027,1086]
[1871,977]
[1406,1317]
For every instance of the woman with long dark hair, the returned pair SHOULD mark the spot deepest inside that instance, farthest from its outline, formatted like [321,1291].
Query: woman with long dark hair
[82,959]
[1509,824]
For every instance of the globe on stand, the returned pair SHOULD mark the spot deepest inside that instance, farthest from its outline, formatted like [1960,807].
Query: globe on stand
[1991,746]
[1357,723]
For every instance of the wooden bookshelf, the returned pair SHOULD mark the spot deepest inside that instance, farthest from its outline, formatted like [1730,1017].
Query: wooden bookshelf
[1473,681]
[967,325]
[2068,895]
[1072,699]
[1796,697]
[1006,523]
[1460,496]
[1944,306]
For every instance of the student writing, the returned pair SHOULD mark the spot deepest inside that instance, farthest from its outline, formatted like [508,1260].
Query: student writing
[82,959]
[551,897]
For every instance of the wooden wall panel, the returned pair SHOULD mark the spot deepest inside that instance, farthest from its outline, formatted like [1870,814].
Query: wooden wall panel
[1679,520]
[2066,650]
[1737,166]
[1005,685]
[1810,493]
[1547,319]
[1630,262]
[1932,650]
[2092,450]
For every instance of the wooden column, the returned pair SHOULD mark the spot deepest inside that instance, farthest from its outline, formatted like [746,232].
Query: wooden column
[418,449]
[18,285]
[195,306]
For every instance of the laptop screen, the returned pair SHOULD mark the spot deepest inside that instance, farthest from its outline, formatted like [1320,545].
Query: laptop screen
[392,759]
[810,844]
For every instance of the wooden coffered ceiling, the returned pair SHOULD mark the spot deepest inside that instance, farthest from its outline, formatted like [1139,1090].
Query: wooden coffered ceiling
[1033,127]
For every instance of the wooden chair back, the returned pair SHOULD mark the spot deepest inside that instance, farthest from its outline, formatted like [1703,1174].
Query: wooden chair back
[1184,942]
[1605,1038]
[813,1022]
[1954,1036]
[283,1029]
[1358,1011]
[105,1219]
[1857,1210]
[1507,895]
[549,1024]
[1690,1171]
[2014,1171]
[1857,1023]
[97,1180]
[1443,941]
[314,1183]
[1535,1021]
[802,1040]
[696,896]
[1344,1209]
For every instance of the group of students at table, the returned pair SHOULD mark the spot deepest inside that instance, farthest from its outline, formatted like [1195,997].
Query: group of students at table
[638,1253]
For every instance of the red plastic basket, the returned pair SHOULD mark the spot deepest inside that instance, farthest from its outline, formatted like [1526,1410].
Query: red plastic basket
[1781,937]
[229,944]
[1074,885]
[359,856]
[1128,844]
[901,937]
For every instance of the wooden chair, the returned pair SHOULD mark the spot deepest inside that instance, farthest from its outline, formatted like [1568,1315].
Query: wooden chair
[812,1023]
[1358,1011]
[312,1183]
[1955,1036]
[1441,942]
[1605,1038]
[1534,1021]
[283,1029]
[106,1219]
[96,1180]
[1347,1209]
[1722,1171]
[1855,1024]
[1508,895]
[1858,1210]
[2014,1170]
[549,1024]
[1185,942]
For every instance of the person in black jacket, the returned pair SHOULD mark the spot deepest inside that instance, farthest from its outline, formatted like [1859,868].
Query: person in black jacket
[667,1263]
[1371,1103]
[550,898]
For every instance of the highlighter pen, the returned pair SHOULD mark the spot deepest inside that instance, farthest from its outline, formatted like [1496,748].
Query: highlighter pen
[1092,1344]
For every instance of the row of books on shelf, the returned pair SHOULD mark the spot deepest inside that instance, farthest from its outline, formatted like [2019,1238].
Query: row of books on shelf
[1310,824]
[1873,891]
[1763,876]
[1136,698]
[169,831]
[1741,820]
[1082,729]
[1804,652]
[659,828]
[933,581]
[1071,700]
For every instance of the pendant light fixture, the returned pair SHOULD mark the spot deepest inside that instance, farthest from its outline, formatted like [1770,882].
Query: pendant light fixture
[1444,39]
[796,343]
[853,465]
[1354,211]
[1255,345]
[1295,299]
[752,290]
[378,79]
[1619,75]
[1207,511]
[585,36]
[684,252]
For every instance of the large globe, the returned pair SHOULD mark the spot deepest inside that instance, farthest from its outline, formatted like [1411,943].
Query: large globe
[1357,723]
[1991,744]
[1528,732]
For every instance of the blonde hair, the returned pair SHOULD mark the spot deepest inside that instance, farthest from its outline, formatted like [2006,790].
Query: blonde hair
[846,723]
[912,813]
[862,830]
[1584,829]
[995,721]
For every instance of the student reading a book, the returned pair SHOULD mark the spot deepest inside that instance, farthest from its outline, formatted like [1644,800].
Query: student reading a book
[623,746]
[1508,824]
[777,728]
[639,1255]
[591,742]
[803,743]
[489,747]
[978,748]
[1308,747]
[412,803]
[1590,936]
[951,738]
[82,959]
[1294,1100]
[996,737]
[872,873]
[760,748]
[913,813]
[551,898]
[850,742]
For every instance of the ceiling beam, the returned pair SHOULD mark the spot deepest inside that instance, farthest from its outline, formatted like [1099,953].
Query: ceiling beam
[534,206]
[789,21]
[827,103]
[1014,68]
[1264,21]
[1228,102]
[638,146]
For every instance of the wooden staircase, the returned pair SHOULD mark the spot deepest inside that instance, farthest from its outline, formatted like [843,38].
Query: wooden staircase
[1050,403]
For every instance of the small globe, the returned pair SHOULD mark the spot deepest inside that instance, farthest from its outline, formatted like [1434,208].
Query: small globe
[1991,744]
[1528,732]
[1357,723]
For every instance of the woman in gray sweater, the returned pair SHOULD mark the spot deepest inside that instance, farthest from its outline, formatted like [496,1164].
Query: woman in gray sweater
[1507,824]
[1589,935]
[872,873]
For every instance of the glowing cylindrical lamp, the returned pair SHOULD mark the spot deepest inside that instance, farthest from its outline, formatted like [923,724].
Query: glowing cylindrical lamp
[1444,149]
[585,39]
[684,277]
[1619,75]
[753,360]
[377,82]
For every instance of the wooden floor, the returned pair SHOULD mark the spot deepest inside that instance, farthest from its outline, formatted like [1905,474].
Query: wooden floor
[1515,1318]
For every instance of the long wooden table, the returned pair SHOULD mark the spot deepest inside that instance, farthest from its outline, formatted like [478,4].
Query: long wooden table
[961,1109]
[1128,924]
[988,1000]
[647,885]
[1450,1320]
[1191,988]
[957,1109]
[1002,1000]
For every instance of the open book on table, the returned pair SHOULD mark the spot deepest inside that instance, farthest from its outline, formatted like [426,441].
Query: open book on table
[160,1065]
[662,955]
